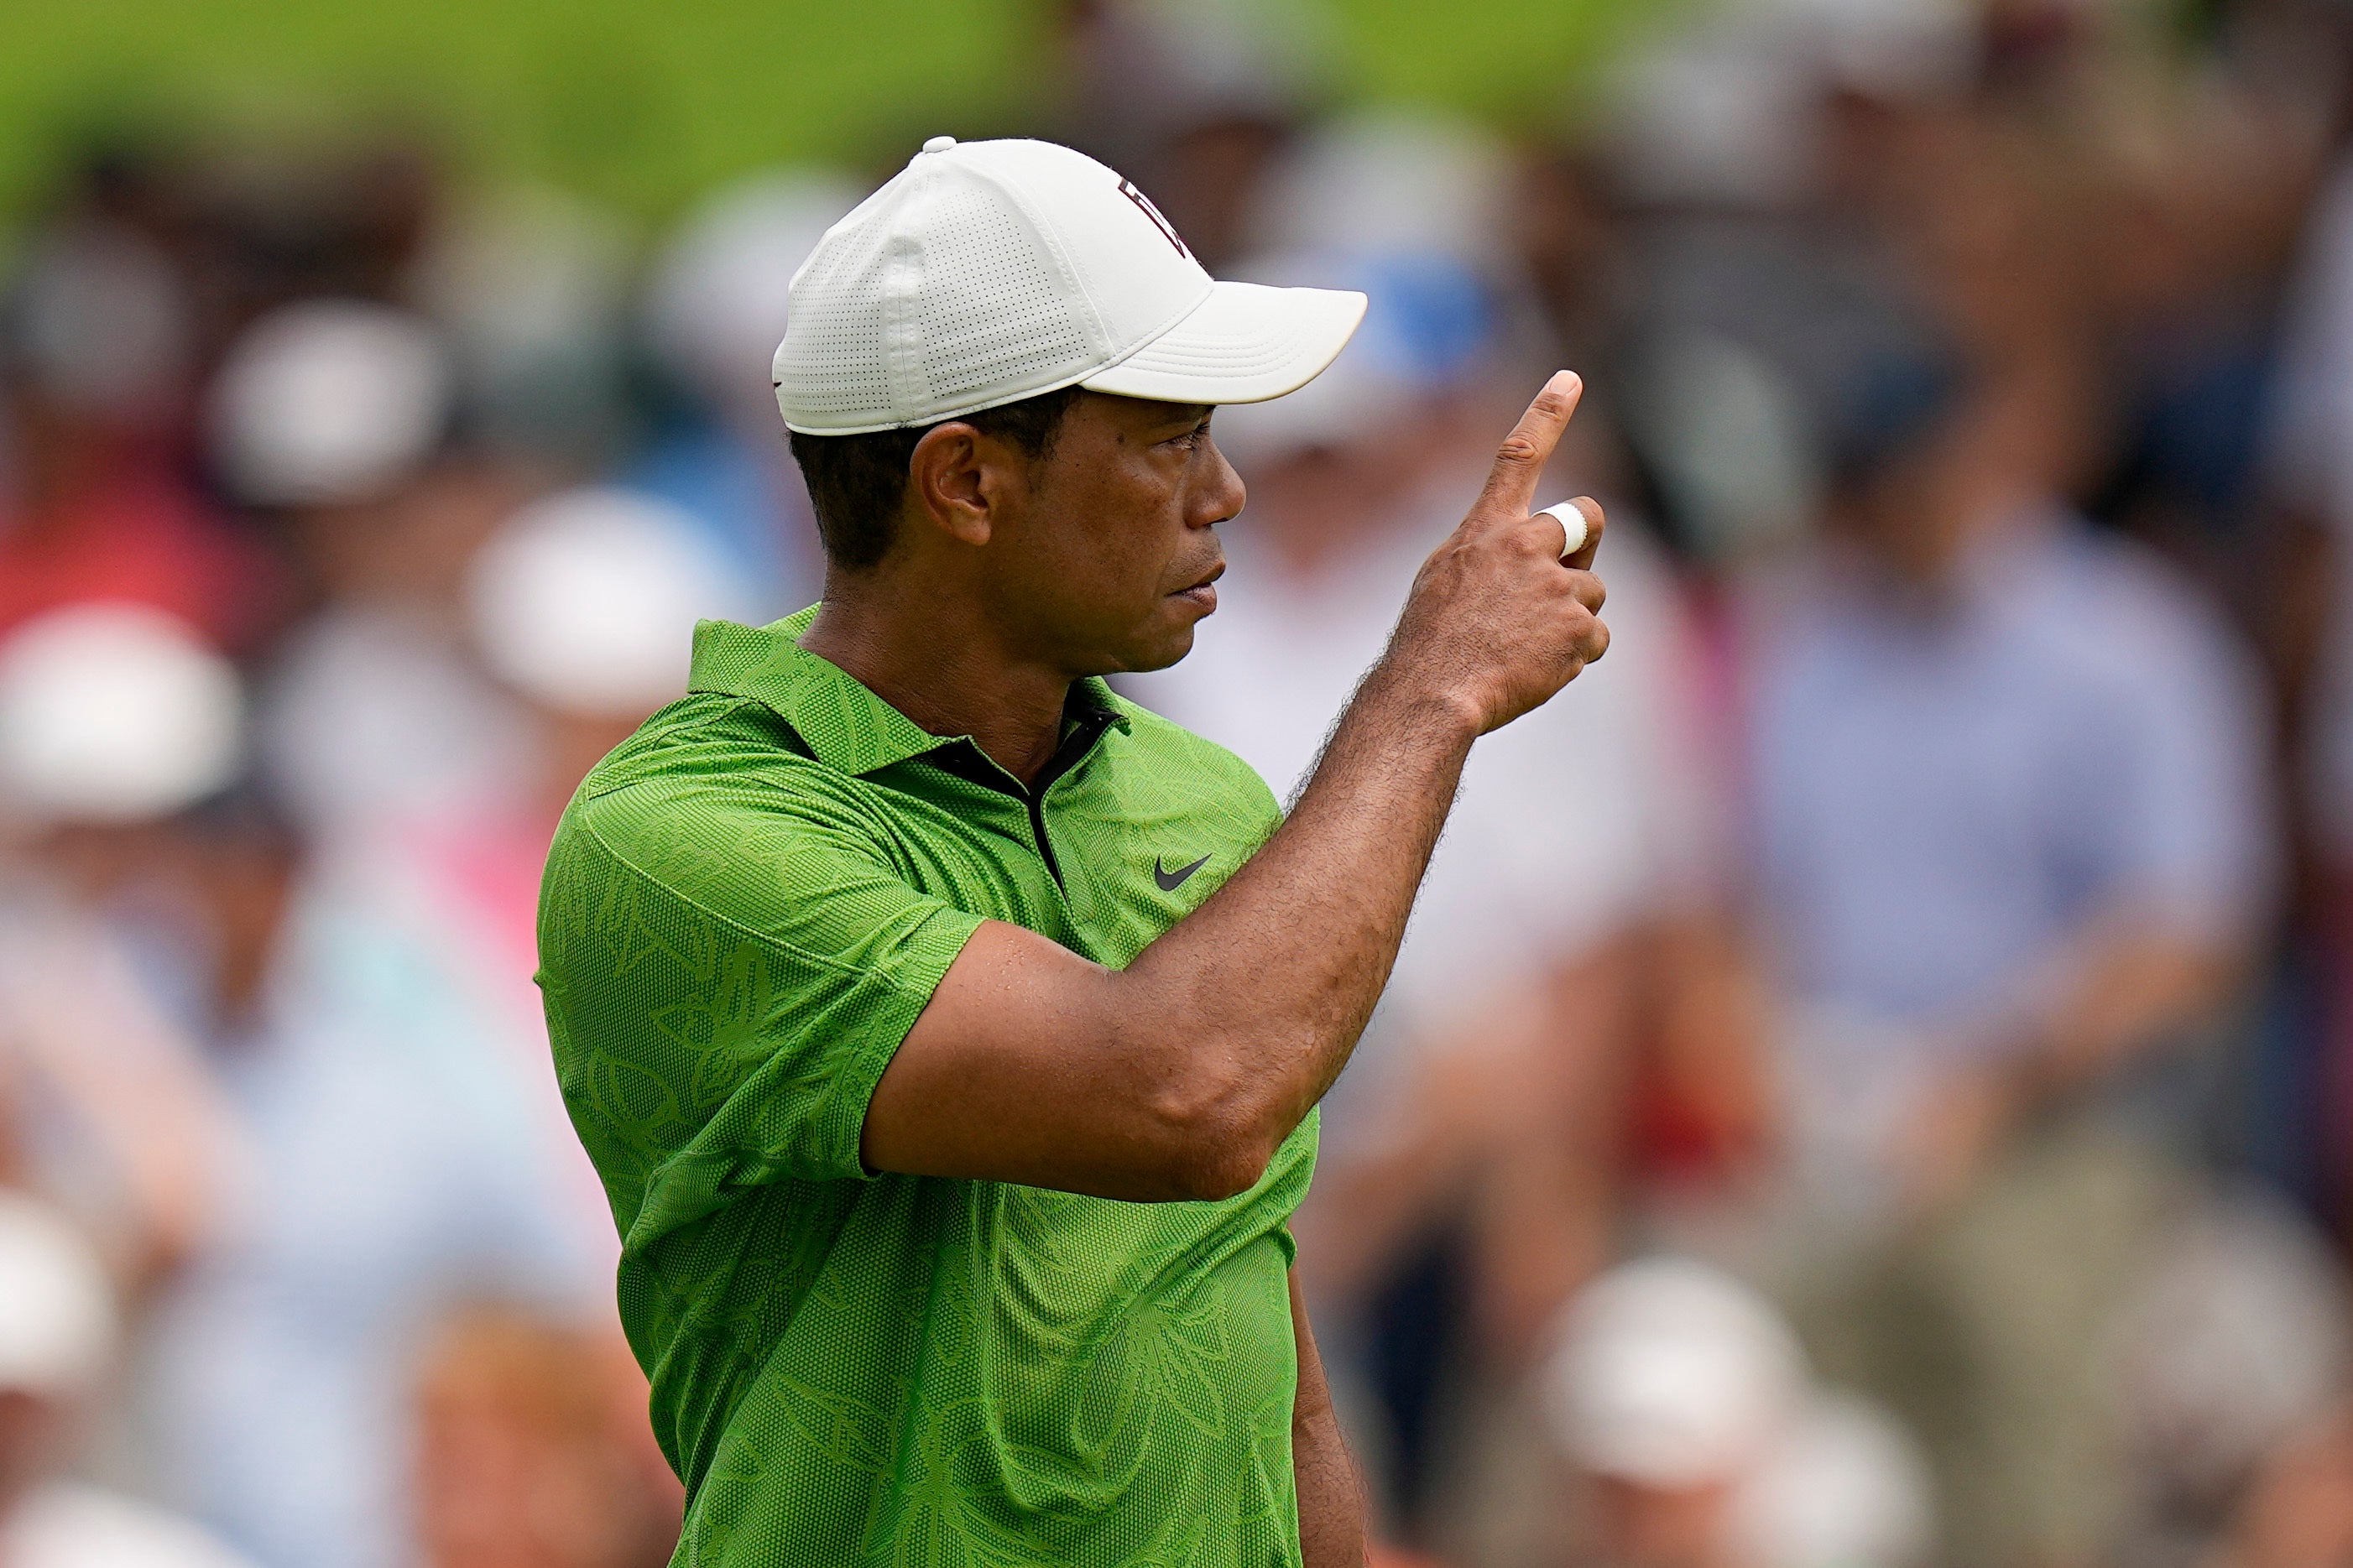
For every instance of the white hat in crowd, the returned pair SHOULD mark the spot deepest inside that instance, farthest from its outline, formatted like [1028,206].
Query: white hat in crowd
[1387,181]
[114,712]
[329,401]
[990,271]
[57,1306]
[1672,1374]
[586,601]
[2235,1343]
[721,297]
[1723,108]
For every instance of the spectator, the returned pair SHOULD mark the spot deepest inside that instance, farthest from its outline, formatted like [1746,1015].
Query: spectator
[332,414]
[527,285]
[58,1324]
[715,314]
[2009,808]
[83,518]
[581,606]
[1195,98]
[521,1461]
[115,720]
[1695,1437]
[97,345]
[390,1168]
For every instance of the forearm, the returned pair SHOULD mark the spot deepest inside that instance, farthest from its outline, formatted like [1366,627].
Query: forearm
[1275,976]
[2123,994]
[1331,1504]
[2128,991]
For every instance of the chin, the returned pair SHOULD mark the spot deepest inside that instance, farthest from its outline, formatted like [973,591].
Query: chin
[1156,652]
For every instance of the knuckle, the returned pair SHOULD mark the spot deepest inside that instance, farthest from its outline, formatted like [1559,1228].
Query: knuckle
[1517,449]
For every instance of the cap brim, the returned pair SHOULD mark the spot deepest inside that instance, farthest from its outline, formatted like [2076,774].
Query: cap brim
[1244,343]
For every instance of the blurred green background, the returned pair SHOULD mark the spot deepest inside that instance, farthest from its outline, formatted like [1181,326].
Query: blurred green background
[644,105]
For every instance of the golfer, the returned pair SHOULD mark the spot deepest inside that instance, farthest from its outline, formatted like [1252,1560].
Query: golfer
[947,1030]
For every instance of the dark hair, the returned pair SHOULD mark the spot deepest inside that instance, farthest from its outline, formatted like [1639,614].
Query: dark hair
[857,482]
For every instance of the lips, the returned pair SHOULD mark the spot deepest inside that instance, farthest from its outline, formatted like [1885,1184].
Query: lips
[1201,593]
[1205,579]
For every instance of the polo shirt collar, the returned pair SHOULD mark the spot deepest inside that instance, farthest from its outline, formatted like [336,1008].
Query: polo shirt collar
[843,723]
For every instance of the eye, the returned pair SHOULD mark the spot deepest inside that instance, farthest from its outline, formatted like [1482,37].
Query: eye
[1193,438]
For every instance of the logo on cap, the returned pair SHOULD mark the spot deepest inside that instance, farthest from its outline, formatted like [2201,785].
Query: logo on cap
[1144,205]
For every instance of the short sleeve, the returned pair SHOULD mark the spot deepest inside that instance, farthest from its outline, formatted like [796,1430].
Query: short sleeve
[727,971]
[2172,813]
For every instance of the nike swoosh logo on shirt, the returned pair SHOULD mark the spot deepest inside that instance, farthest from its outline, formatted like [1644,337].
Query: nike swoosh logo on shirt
[1171,880]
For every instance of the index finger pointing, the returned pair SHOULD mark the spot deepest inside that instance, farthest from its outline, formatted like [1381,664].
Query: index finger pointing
[1510,484]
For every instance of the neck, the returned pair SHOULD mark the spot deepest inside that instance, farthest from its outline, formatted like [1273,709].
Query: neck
[938,659]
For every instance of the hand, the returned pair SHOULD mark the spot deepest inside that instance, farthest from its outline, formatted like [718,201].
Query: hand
[1497,622]
[1952,1138]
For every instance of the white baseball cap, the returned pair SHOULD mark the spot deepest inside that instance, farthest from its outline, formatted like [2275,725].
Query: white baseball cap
[57,1311]
[584,601]
[328,401]
[986,272]
[114,713]
[1672,1374]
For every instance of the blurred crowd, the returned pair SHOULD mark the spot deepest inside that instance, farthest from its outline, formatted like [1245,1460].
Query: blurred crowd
[1870,1081]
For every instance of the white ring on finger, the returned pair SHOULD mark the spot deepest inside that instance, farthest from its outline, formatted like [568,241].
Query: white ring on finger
[1573,527]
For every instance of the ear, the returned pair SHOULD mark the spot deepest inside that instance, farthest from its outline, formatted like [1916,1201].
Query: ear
[963,482]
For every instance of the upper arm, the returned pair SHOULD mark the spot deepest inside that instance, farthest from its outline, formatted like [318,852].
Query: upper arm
[1030,1066]
[725,982]
[2177,806]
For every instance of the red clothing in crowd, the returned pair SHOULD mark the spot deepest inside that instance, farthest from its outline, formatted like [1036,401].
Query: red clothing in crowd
[142,538]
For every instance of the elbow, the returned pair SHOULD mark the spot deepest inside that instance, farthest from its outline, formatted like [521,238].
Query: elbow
[1215,1148]
[1217,1172]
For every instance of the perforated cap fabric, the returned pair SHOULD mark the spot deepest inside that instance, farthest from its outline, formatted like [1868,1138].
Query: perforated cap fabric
[990,271]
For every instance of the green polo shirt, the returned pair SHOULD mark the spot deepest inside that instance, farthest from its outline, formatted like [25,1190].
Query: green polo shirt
[746,907]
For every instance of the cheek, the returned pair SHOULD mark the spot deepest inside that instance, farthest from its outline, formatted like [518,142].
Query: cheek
[1115,550]
[1117,577]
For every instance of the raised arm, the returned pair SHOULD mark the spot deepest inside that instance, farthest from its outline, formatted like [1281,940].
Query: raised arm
[1179,1076]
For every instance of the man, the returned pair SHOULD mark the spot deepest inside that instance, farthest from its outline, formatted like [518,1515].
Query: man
[2007,783]
[952,1074]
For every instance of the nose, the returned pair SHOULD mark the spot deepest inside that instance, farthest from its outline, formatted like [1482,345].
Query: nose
[1220,495]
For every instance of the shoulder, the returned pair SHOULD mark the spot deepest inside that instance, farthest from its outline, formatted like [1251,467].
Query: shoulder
[2136,616]
[707,789]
